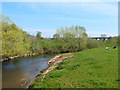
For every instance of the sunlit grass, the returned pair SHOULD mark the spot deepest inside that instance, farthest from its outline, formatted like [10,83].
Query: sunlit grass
[91,68]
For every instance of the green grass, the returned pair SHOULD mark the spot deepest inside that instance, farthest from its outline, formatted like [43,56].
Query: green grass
[91,68]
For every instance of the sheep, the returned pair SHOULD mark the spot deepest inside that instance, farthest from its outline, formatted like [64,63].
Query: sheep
[107,48]
[114,47]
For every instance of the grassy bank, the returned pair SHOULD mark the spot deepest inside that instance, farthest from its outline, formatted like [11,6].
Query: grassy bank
[91,68]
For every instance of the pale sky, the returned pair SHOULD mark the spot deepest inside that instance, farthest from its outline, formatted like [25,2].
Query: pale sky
[96,17]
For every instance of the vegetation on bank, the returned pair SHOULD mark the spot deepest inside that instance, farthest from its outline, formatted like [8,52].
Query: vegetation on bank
[91,68]
[16,42]
[87,69]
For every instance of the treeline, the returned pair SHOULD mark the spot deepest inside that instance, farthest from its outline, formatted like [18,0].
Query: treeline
[16,42]
[68,39]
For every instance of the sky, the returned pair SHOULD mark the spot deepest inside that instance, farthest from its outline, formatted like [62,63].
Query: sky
[46,17]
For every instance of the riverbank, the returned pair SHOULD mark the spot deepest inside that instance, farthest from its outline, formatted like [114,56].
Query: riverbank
[27,55]
[91,68]
[24,55]
[53,63]
[19,56]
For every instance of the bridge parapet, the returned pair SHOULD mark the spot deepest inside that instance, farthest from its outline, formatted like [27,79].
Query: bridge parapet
[99,38]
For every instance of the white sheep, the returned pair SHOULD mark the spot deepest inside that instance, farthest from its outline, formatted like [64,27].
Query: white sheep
[107,48]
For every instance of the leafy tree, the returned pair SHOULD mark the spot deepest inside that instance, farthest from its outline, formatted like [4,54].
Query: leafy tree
[74,31]
[80,31]
[68,36]
[4,19]
[103,36]
[38,35]
[56,36]
[15,41]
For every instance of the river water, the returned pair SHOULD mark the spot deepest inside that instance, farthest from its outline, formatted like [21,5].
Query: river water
[18,73]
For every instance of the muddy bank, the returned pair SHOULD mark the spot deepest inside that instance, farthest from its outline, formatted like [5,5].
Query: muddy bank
[53,63]
[30,54]
[19,56]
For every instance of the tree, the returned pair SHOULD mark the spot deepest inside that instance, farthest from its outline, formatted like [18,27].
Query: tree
[56,36]
[72,32]
[103,36]
[5,23]
[13,38]
[84,35]
[68,36]
[38,35]
[81,31]
[4,19]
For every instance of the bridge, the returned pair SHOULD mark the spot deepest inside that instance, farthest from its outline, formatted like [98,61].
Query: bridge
[99,38]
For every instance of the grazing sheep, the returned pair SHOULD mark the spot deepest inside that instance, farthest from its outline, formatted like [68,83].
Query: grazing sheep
[114,47]
[107,48]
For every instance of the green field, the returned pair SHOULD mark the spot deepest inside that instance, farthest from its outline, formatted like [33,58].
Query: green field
[91,68]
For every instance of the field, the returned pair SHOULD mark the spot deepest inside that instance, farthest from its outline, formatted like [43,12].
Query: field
[91,68]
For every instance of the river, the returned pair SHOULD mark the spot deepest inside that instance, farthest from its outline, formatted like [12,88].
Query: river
[18,73]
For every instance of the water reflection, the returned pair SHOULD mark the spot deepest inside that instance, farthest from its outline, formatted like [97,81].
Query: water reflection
[19,73]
